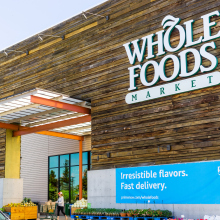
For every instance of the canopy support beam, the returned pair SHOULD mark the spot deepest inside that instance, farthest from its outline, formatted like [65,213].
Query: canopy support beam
[50,133]
[9,126]
[61,105]
[80,170]
[53,125]
[61,135]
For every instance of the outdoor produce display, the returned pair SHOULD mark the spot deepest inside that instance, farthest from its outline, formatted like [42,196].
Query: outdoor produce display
[129,213]
[19,205]
[80,203]
[24,210]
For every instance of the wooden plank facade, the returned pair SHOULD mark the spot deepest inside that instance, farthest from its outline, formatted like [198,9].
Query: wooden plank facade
[91,64]
[2,152]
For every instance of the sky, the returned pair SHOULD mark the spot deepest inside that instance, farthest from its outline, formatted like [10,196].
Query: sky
[20,19]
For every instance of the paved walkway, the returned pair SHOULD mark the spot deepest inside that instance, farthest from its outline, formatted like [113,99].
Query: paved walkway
[60,218]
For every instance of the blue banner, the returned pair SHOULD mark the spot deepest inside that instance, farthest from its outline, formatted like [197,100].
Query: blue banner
[188,183]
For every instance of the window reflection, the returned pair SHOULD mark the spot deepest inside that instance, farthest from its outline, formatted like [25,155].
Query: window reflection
[64,176]
[85,157]
[84,180]
[75,159]
[53,161]
[53,184]
[64,182]
[74,183]
[64,160]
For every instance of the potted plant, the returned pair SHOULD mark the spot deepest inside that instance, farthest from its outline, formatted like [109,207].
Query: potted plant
[117,212]
[130,213]
[149,213]
[135,213]
[166,213]
[140,213]
[157,214]
[123,213]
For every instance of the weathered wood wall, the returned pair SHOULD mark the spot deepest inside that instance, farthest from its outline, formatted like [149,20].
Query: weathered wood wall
[91,64]
[2,152]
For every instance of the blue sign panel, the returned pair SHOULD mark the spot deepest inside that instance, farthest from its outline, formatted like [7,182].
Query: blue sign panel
[189,183]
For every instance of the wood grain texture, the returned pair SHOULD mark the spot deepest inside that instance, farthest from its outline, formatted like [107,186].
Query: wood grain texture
[91,64]
[2,152]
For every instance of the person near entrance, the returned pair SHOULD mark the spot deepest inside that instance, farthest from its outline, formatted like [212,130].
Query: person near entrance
[77,197]
[60,205]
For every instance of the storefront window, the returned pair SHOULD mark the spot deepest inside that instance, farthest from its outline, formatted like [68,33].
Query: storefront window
[53,183]
[74,159]
[84,181]
[54,161]
[64,160]
[64,176]
[74,183]
[64,182]
[85,157]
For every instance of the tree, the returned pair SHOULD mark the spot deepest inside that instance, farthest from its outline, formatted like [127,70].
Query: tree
[52,178]
[53,189]
[65,177]
[64,181]
[84,180]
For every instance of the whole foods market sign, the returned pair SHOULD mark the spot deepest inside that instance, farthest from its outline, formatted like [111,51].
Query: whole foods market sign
[186,39]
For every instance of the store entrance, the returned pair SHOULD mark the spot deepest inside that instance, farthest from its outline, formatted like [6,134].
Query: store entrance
[55,143]
[64,176]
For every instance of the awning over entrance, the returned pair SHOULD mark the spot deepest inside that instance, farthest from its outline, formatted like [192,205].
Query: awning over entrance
[38,108]
[47,113]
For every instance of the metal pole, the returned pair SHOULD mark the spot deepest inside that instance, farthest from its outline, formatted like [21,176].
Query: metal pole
[80,170]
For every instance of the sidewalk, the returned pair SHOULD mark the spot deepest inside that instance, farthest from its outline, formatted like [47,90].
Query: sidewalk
[60,218]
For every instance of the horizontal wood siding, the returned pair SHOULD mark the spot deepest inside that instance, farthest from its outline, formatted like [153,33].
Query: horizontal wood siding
[91,64]
[2,152]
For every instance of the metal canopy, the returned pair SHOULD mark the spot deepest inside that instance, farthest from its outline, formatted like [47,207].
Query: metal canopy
[19,109]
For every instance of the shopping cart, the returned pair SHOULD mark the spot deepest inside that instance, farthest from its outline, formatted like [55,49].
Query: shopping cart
[48,211]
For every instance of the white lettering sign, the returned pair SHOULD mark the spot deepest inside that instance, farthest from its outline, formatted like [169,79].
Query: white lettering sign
[185,85]
[179,61]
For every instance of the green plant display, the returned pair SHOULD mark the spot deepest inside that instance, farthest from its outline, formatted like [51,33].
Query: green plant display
[116,212]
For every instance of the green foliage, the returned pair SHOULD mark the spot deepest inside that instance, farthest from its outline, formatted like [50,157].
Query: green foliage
[26,200]
[65,177]
[166,213]
[131,212]
[84,181]
[150,212]
[97,211]
[135,213]
[75,189]
[65,180]
[157,213]
[53,190]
